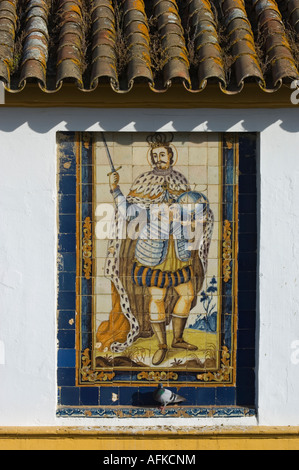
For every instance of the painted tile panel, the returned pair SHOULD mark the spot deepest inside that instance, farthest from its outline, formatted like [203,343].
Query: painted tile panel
[154,279]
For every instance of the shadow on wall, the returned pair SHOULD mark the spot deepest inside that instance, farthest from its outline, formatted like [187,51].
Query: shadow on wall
[45,120]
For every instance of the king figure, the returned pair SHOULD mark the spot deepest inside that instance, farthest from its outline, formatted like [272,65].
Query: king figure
[155,277]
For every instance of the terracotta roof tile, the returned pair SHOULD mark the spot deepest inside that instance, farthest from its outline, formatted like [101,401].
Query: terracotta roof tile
[293,12]
[159,42]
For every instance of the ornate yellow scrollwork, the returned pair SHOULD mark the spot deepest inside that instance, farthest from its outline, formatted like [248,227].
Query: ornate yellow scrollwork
[87,248]
[222,375]
[157,376]
[227,251]
[89,375]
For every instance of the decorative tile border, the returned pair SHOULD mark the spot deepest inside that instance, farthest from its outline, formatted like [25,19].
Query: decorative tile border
[174,412]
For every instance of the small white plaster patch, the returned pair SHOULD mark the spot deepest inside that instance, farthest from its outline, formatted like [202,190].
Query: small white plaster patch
[114,397]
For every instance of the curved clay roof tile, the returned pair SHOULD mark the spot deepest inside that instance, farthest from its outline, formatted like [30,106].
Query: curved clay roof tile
[160,43]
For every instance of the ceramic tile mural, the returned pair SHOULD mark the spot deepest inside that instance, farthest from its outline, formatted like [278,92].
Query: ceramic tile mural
[149,265]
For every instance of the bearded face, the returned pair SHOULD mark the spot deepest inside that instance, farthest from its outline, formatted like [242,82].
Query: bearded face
[162,157]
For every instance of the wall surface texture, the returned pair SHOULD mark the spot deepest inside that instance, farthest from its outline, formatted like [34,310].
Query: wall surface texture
[28,256]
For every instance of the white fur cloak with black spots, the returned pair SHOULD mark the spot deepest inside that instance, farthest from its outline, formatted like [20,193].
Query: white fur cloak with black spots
[156,186]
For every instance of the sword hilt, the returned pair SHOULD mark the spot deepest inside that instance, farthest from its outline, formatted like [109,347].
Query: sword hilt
[111,172]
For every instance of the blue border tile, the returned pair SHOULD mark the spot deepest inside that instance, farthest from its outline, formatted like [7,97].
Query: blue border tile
[66,339]
[67,262]
[225,396]
[67,184]
[67,204]
[66,300]
[89,396]
[66,358]
[66,320]
[66,377]
[106,396]
[70,396]
[67,281]
[67,242]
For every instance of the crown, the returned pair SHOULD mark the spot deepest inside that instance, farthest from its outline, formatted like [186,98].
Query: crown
[159,140]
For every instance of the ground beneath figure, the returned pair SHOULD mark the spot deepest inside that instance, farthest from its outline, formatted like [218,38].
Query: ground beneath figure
[141,352]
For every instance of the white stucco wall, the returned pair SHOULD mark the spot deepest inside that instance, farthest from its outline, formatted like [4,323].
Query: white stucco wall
[28,255]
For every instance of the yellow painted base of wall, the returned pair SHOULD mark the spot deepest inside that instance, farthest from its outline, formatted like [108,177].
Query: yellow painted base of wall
[252,438]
